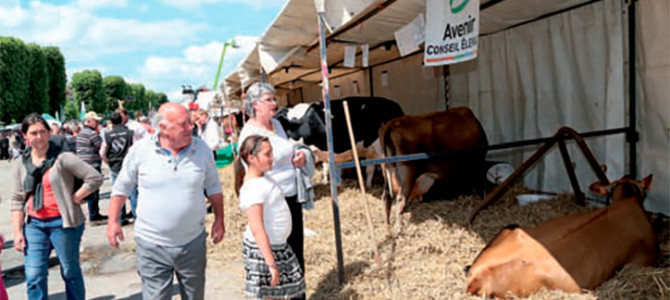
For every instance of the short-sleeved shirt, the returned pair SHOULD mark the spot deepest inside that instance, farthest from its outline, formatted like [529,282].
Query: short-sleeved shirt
[276,214]
[88,146]
[282,171]
[170,204]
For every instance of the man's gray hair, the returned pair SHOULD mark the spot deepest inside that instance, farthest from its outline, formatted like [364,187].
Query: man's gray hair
[254,93]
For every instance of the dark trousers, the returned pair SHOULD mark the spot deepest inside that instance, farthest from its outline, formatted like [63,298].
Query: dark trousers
[297,237]
[93,199]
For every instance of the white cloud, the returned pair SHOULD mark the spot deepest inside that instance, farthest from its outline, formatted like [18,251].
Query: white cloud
[197,66]
[95,4]
[84,36]
[197,4]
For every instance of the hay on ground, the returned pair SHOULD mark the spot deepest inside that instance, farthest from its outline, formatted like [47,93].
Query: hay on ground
[426,260]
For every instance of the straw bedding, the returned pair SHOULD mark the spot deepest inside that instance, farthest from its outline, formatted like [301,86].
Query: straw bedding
[426,260]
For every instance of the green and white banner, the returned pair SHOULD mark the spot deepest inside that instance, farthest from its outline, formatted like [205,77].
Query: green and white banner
[452,31]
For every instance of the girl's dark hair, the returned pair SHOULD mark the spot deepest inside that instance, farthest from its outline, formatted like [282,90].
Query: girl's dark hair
[250,146]
[31,119]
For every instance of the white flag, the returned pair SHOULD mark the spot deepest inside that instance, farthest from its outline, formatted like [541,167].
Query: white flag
[349,56]
[410,36]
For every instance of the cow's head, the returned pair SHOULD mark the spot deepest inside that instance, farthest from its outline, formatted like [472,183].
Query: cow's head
[624,188]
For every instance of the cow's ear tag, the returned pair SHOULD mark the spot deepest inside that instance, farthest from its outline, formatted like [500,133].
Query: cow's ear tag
[598,188]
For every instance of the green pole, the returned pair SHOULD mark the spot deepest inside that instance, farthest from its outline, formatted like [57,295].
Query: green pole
[218,71]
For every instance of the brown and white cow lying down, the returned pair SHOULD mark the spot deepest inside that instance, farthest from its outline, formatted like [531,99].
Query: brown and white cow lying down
[569,253]
[453,129]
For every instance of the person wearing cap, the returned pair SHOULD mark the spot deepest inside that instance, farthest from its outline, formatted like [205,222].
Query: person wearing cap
[88,150]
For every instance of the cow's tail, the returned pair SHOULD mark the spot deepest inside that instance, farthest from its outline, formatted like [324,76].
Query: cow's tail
[387,196]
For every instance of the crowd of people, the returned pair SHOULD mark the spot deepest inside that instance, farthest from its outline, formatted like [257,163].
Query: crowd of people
[168,174]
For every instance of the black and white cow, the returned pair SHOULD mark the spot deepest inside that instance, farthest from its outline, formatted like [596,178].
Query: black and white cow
[306,122]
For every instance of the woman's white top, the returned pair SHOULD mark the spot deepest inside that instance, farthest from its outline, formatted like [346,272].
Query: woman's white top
[282,171]
[276,214]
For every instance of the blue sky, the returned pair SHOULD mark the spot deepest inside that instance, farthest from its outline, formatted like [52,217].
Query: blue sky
[159,43]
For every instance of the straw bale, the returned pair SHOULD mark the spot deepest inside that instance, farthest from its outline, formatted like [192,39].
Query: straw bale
[426,260]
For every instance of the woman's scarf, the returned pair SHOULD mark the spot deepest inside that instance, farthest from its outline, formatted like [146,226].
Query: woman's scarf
[33,181]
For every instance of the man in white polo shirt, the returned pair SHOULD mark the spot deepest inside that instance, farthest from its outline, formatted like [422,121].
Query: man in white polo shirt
[171,170]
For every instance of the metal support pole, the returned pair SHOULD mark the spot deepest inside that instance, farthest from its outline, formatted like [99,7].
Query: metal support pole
[218,71]
[570,169]
[331,154]
[632,136]
[447,86]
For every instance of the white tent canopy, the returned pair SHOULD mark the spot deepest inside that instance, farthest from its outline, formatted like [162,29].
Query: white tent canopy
[541,64]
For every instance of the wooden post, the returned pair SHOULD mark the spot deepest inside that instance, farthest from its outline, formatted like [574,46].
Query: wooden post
[373,240]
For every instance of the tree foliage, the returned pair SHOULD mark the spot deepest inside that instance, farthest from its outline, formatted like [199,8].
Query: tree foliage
[162,98]
[139,102]
[14,79]
[115,89]
[38,97]
[87,87]
[57,78]
[71,110]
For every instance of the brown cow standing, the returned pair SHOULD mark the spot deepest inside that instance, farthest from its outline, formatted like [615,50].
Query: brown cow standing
[453,129]
[569,253]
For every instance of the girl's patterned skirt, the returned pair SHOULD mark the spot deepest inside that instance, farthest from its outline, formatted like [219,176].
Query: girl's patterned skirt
[258,278]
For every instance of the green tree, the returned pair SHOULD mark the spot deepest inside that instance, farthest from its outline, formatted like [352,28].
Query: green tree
[151,99]
[139,102]
[71,110]
[162,98]
[115,89]
[87,87]
[57,79]
[38,97]
[14,78]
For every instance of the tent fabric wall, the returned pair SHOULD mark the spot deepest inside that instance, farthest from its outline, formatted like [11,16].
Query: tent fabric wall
[416,88]
[565,70]
[653,94]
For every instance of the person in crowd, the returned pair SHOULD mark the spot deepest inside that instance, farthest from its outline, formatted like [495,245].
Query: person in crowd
[192,114]
[115,146]
[67,131]
[4,146]
[261,105]
[208,130]
[139,131]
[45,209]
[3,290]
[146,123]
[88,149]
[272,268]
[169,229]
[72,139]
[15,141]
[58,138]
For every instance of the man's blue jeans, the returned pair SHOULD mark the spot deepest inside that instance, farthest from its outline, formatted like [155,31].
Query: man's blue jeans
[41,237]
[132,197]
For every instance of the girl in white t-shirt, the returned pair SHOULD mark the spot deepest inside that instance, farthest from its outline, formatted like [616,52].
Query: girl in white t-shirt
[273,271]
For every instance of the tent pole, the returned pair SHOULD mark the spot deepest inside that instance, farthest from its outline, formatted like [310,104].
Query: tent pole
[372,90]
[632,136]
[331,154]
